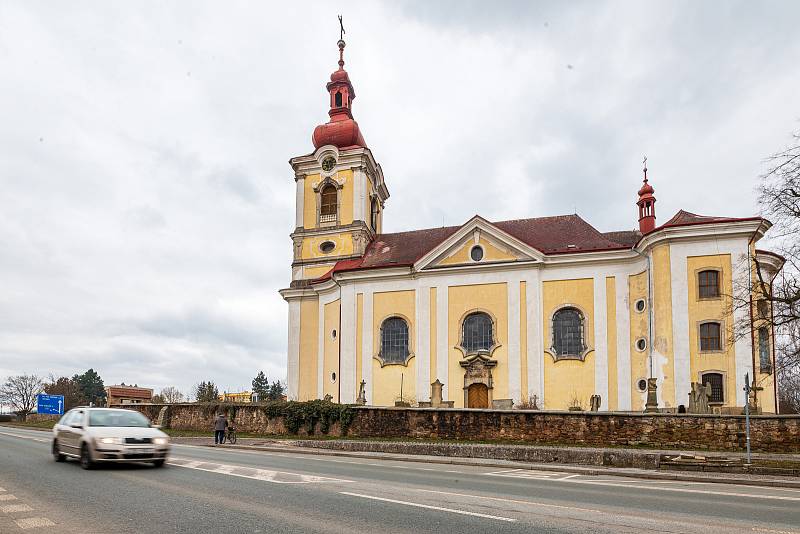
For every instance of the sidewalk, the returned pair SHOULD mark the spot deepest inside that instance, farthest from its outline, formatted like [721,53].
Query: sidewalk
[333,449]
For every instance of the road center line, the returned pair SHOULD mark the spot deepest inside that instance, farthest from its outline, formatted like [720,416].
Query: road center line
[429,507]
[686,490]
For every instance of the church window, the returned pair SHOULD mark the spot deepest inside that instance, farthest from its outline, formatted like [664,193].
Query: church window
[327,247]
[375,207]
[477,333]
[338,99]
[476,253]
[640,305]
[763,308]
[708,282]
[394,340]
[710,336]
[641,385]
[328,204]
[641,344]
[568,339]
[764,360]
[715,381]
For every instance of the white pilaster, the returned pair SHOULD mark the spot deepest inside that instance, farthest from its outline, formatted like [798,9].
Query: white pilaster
[423,342]
[359,192]
[300,185]
[600,340]
[366,345]
[514,363]
[347,345]
[293,356]
[534,337]
[442,345]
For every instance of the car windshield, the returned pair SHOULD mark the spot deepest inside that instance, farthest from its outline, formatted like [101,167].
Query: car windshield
[117,418]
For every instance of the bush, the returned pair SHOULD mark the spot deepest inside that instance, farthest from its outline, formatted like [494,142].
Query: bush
[297,415]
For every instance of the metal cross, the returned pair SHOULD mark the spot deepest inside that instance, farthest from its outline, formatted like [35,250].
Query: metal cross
[341,29]
[644,162]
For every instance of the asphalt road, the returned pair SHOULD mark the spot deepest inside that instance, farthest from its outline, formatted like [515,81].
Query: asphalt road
[231,491]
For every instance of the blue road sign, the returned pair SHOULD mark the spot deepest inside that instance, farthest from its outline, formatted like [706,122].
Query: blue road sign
[51,404]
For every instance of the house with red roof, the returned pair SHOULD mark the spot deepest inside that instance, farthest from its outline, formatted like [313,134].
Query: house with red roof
[545,312]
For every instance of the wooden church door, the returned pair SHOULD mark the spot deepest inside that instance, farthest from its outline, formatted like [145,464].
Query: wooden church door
[478,396]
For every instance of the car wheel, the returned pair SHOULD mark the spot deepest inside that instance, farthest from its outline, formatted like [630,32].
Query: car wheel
[159,463]
[57,456]
[86,459]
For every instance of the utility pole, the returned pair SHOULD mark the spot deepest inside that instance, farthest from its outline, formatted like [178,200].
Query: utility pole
[747,413]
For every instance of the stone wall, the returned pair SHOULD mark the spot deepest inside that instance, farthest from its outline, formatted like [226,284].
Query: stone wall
[779,433]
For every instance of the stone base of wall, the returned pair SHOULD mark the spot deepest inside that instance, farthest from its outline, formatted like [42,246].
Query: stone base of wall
[769,433]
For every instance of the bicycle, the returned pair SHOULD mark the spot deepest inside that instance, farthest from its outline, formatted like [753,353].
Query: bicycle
[230,435]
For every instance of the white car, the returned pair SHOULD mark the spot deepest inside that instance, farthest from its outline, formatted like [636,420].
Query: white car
[108,435]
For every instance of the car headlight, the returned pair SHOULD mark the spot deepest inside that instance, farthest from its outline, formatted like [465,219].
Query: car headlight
[110,441]
[160,441]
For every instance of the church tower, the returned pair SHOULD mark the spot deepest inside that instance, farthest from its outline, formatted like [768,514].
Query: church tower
[647,205]
[340,189]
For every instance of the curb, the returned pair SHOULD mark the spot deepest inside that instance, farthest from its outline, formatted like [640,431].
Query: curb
[590,471]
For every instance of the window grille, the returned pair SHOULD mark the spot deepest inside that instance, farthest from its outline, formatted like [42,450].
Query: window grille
[709,284]
[764,359]
[710,338]
[327,212]
[394,340]
[715,381]
[568,337]
[478,333]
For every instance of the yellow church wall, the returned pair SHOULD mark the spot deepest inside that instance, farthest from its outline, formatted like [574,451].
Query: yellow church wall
[611,336]
[662,322]
[331,345]
[359,338]
[568,379]
[637,289]
[310,249]
[345,177]
[523,341]
[309,333]
[386,380]
[490,298]
[432,329]
[310,273]
[490,253]
[715,309]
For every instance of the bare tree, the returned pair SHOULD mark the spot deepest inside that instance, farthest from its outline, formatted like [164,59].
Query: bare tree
[171,395]
[20,392]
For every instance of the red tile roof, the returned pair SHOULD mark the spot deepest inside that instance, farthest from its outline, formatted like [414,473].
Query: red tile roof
[562,234]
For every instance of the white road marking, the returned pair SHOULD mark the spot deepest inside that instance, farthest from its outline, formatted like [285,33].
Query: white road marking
[515,501]
[24,436]
[33,522]
[686,490]
[15,508]
[530,473]
[8,497]
[758,529]
[265,475]
[2,490]
[429,507]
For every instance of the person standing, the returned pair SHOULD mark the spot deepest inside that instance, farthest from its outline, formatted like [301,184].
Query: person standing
[220,425]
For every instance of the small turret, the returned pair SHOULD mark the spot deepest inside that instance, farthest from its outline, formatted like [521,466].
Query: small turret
[647,205]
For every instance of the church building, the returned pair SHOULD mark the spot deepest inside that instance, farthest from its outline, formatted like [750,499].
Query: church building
[547,309]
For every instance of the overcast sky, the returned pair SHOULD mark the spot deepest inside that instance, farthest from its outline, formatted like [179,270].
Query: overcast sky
[145,197]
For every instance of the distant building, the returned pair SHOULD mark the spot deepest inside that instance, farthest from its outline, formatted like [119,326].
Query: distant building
[242,396]
[122,394]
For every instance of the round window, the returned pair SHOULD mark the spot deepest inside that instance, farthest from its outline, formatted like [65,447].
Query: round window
[641,344]
[327,247]
[640,305]
[641,385]
[328,164]
[333,377]
[476,253]
[333,334]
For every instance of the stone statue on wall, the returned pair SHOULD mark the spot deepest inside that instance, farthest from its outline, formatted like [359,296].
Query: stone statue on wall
[362,393]
[699,397]
[594,403]
[436,394]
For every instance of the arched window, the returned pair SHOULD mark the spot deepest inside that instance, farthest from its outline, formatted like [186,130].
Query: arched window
[708,284]
[764,357]
[374,214]
[568,339]
[394,340]
[477,333]
[710,336]
[327,212]
[715,381]
[338,99]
